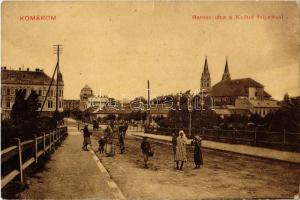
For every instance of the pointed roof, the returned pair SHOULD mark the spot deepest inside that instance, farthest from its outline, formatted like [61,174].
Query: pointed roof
[226,74]
[226,70]
[236,87]
[205,70]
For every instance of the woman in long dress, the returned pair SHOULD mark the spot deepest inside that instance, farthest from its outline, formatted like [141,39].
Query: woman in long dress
[109,149]
[198,159]
[181,155]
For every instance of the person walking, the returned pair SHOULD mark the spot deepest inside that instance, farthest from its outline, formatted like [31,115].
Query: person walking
[86,138]
[121,142]
[101,143]
[146,150]
[198,159]
[181,156]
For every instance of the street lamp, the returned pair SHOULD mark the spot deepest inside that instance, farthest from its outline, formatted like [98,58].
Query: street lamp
[190,114]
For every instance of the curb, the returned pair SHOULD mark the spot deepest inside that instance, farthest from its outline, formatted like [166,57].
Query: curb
[111,184]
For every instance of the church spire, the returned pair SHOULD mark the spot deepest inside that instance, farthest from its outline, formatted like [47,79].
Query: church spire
[226,74]
[205,77]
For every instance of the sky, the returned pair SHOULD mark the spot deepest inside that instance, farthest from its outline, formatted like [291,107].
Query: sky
[115,47]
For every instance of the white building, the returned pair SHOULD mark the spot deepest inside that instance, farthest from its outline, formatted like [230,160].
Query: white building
[38,81]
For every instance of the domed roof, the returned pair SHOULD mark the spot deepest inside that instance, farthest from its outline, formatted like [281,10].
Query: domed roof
[86,87]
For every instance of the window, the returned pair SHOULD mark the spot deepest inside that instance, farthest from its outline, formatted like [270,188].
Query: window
[40,92]
[51,93]
[50,104]
[59,104]
[8,91]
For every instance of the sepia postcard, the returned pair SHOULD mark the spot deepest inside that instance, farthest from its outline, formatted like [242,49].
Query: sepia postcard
[175,100]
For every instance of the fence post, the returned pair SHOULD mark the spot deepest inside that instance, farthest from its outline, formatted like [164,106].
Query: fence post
[50,144]
[20,160]
[36,148]
[233,135]
[44,145]
[284,137]
[255,136]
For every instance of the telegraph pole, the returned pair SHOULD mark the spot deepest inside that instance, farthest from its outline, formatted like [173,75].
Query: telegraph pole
[57,50]
[148,105]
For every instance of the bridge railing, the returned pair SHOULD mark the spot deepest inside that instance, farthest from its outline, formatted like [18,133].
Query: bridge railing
[41,146]
[284,140]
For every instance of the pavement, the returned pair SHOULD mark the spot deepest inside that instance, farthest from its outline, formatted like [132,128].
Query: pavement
[72,173]
[293,157]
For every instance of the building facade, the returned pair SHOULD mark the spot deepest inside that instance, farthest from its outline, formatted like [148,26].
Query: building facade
[38,81]
[71,104]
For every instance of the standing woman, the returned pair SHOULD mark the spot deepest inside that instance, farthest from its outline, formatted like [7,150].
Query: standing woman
[86,138]
[109,150]
[181,155]
[198,159]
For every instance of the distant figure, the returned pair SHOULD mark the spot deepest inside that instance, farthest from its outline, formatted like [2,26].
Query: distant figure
[109,136]
[174,143]
[198,159]
[86,138]
[181,155]
[101,143]
[95,125]
[122,133]
[146,150]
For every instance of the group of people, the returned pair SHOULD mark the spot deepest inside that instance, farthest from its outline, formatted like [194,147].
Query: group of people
[179,144]
[106,141]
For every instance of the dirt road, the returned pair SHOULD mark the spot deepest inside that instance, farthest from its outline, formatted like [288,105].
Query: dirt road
[225,175]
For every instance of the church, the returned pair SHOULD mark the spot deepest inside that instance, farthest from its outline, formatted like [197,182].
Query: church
[243,96]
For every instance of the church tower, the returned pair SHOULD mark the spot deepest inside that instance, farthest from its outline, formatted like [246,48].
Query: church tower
[205,78]
[226,74]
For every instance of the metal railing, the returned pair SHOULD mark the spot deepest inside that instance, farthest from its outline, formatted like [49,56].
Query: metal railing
[41,146]
[278,140]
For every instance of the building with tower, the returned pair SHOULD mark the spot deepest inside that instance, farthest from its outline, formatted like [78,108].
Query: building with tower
[236,96]
[205,83]
[85,93]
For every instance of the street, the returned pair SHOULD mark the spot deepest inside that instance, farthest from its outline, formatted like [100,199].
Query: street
[224,175]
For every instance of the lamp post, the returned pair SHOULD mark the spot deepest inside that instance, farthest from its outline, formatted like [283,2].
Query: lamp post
[190,114]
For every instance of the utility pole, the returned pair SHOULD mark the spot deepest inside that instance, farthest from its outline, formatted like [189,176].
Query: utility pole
[57,50]
[148,104]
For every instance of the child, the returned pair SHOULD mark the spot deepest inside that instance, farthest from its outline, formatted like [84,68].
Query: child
[146,150]
[101,144]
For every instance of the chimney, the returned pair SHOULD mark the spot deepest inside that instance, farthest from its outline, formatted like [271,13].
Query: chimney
[27,69]
[37,69]
[19,68]
[4,68]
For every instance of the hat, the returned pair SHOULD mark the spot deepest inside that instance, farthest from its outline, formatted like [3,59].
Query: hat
[181,132]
